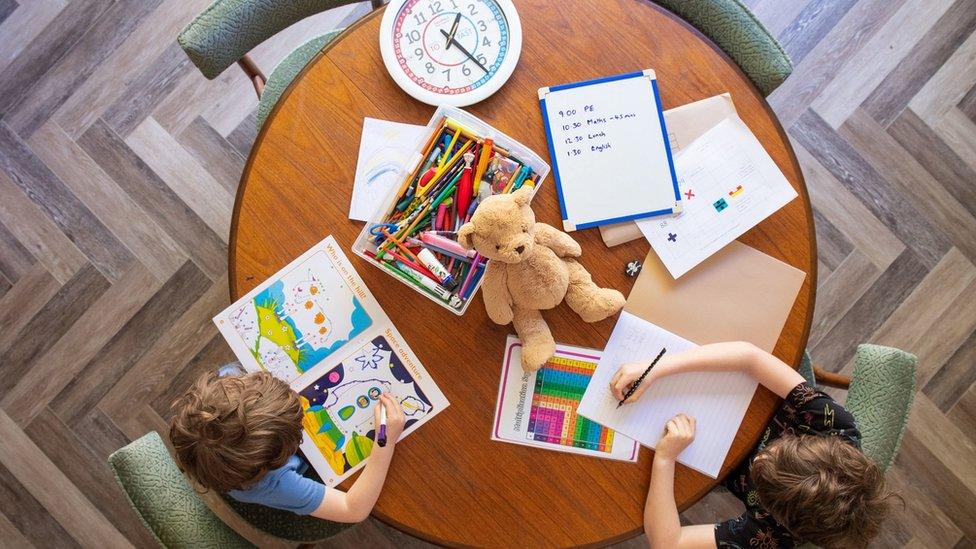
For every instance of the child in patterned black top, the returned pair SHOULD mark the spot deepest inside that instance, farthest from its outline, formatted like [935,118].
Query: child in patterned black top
[806,481]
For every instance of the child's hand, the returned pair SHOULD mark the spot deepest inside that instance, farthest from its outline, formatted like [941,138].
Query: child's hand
[627,375]
[679,432]
[394,418]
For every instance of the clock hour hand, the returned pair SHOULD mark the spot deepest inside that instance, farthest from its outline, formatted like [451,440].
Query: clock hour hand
[454,27]
[465,52]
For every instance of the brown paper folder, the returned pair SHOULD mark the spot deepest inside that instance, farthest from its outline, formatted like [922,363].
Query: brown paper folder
[738,294]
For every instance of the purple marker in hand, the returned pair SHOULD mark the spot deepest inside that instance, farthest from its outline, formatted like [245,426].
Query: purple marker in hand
[381,438]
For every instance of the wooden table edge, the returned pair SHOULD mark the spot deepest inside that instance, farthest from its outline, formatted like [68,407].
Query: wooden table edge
[242,185]
[802,191]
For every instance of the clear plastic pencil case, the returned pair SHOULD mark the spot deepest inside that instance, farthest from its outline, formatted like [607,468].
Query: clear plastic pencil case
[460,162]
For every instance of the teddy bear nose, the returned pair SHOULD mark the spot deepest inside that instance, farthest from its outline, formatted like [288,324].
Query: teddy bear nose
[520,249]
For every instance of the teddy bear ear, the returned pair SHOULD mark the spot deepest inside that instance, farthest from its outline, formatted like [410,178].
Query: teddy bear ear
[523,196]
[464,235]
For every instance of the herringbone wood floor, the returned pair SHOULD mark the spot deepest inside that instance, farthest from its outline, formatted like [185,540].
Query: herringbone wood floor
[119,162]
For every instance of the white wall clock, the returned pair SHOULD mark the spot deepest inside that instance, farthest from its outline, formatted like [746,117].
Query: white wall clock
[450,52]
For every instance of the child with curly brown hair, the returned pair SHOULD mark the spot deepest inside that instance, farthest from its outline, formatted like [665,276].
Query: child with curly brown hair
[239,434]
[806,481]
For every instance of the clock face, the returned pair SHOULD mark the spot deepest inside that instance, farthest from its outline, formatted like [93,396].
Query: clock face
[451,51]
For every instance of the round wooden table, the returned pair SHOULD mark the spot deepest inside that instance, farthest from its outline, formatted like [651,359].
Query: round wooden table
[450,483]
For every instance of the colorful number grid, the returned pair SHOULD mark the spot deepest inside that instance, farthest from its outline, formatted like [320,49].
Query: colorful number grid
[559,387]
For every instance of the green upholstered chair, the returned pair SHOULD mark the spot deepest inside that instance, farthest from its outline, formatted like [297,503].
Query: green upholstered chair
[169,508]
[881,390]
[177,516]
[738,33]
[227,30]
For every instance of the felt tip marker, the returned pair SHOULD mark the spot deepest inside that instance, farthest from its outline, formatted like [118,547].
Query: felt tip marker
[381,436]
[424,281]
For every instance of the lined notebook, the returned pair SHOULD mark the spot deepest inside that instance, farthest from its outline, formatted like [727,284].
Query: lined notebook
[717,400]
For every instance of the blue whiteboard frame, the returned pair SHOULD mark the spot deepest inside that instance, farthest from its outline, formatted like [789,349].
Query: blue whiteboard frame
[544,92]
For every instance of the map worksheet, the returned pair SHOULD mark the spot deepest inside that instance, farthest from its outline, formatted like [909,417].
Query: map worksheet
[315,325]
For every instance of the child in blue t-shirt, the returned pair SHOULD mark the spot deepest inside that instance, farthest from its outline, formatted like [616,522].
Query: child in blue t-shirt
[239,434]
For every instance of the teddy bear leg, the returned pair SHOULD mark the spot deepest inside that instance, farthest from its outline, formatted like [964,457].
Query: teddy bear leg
[590,301]
[537,343]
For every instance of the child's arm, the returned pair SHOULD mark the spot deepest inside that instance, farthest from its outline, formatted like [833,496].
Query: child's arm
[661,522]
[356,504]
[768,370]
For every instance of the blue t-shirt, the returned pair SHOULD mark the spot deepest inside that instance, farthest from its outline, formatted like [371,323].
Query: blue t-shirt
[285,488]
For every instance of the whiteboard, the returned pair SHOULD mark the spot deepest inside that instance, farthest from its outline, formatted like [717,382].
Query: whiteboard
[609,149]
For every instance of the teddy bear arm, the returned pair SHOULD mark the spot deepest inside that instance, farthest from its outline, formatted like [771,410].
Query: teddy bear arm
[498,301]
[559,242]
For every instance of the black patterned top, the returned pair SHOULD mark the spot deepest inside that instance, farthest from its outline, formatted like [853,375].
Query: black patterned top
[805,411]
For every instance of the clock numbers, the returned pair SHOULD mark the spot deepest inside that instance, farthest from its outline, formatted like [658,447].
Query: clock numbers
[450,46]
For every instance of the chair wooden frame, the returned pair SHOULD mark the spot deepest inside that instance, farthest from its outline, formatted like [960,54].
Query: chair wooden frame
[257,77]
[830,379]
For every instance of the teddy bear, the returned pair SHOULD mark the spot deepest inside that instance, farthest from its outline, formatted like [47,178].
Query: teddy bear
[532,269]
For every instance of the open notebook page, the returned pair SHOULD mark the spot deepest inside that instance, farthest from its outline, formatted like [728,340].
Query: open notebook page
[717,400]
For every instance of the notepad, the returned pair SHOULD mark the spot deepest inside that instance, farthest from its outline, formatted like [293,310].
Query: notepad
[609,148]
[717,400]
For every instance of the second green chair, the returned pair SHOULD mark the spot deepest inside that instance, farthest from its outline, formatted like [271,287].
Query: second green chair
[227,30]
[741,35]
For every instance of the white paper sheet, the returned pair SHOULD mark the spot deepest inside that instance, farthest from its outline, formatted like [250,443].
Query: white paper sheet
[609,150]
[538,409]
[728,184]
[685,124]
[384,150]
[717,400]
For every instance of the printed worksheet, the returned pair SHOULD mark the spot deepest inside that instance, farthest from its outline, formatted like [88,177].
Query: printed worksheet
[538,409]
[315,325]
[728,185]
[717,400]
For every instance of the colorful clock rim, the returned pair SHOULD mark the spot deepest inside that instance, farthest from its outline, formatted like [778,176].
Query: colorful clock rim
[480,93]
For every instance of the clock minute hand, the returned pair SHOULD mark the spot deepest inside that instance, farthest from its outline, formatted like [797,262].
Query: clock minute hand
[466,52]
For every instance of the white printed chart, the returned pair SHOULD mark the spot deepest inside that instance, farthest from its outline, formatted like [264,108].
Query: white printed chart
[729,184]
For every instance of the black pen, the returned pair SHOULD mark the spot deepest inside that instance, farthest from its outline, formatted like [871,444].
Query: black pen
[637,382]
